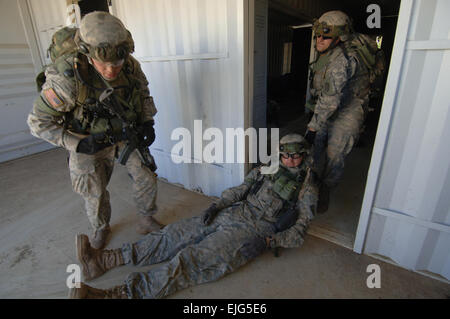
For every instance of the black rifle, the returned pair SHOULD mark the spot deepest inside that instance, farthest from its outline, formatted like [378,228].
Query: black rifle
[285,221]
[134,136]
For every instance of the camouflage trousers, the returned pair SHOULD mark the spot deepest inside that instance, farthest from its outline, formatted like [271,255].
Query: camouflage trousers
[195,253]
[335,142]
[90,175]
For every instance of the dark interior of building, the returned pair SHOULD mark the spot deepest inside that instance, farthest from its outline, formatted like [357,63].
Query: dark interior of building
[288,58]
[87,6]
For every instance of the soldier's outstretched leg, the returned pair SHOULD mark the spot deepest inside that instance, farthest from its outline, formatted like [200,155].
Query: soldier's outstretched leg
[159,246]
[90,174]
[154,248]
[220,253]
[144,192]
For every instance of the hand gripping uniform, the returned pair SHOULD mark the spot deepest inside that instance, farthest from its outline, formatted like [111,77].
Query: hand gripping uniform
[339,99]
[68,110]
[195,253]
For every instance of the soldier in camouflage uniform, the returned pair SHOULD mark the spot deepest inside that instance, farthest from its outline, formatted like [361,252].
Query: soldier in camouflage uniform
[339,98]
[265,211]
[68,113]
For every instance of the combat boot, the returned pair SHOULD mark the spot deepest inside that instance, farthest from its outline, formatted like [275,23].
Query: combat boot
[324,199]
[100,236]
[147,224]
[95,262]
[88,292]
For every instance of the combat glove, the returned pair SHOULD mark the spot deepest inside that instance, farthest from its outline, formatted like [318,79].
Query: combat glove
[209,214]
[149,132]
[310,137]
[92,144]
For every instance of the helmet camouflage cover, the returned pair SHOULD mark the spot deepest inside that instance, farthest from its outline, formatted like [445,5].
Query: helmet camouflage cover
[333,24]
[104,37]
[294,143]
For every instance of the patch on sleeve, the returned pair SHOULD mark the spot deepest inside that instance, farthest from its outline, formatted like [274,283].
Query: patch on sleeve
[53,98]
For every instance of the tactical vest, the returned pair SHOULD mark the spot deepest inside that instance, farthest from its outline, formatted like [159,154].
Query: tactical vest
[273,197]
[90,116]
[318,69]
[319,83]
[287,185]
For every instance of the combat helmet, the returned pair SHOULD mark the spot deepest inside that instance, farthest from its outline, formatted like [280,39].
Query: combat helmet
[294,143]
[333,24]
[103,37]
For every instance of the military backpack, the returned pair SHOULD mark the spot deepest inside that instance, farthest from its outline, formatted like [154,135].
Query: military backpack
[62,44]
[371,56]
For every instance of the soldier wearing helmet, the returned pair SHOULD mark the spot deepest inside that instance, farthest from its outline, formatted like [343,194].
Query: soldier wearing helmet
[265,211]
[70,113]
[339,96]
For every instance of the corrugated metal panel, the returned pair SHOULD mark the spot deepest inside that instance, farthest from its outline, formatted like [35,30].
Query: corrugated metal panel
[277,37]
[410,220]
[17,87]
[192,54]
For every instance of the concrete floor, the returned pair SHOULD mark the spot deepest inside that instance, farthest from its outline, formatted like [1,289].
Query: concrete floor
[40,216]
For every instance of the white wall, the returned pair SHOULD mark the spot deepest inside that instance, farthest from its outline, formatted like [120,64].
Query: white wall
[192,52]
[48,16]
[410,219]
[17,87]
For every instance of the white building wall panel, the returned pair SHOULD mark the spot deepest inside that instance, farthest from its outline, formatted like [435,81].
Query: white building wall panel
[17,86]
[192,53]
[410,220]
[48,17]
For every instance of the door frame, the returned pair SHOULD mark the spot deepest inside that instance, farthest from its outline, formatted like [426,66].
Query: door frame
[30,34]
[389,100]
[384,126]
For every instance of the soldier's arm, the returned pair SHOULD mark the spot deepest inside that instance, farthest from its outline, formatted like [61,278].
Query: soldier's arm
[47,115]
[149,109]
[306,205]
[336,78]
[238,193]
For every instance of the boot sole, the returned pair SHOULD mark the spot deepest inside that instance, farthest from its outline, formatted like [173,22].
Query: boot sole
[80,242]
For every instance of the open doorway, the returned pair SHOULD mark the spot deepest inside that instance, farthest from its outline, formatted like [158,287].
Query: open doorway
[288,48]
[289,45]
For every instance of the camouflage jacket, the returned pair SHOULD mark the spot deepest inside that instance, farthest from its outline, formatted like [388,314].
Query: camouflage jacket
[339,81]
[270,206]
[63,97]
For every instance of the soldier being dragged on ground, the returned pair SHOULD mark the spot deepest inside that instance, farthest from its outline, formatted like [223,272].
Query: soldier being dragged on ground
[265,211]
